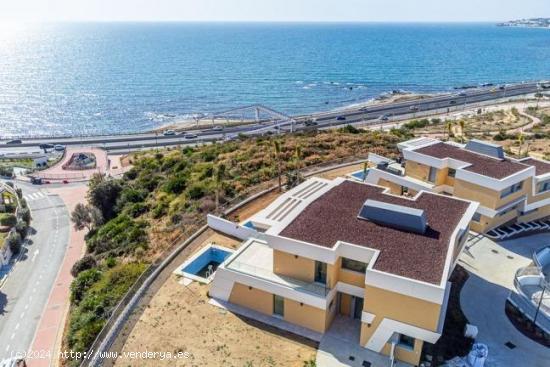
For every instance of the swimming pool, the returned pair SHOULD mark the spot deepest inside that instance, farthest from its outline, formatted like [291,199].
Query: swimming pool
[359,175]
[202,266]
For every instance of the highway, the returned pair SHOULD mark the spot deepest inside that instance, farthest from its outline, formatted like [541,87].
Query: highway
[30,282]
[372,114]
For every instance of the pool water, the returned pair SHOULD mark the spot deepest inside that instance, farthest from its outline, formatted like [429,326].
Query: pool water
[203,265]
[360,175]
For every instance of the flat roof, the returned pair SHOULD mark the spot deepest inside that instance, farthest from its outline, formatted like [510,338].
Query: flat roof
[479,163]
[333,217]
[541,167]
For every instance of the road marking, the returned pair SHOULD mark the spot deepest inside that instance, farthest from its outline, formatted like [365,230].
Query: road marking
[12,336]
[22,315]
[7,347]
[27,306]
[35,254]
[16,326]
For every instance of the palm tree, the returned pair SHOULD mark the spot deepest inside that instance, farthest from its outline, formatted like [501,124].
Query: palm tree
[277,147]
[462,128]
[521,140]
[449,127]
[220,174]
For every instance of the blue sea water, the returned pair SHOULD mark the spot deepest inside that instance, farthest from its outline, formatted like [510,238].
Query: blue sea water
[92,78]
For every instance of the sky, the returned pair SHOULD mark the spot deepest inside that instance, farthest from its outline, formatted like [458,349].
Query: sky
[272,10]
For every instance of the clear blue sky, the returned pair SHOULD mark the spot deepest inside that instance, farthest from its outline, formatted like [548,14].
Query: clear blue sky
[273,10]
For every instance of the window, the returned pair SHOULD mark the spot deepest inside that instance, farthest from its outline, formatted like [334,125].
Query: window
[432,174]
[353,265]
[452,172]
[476,217]
[320,272]
[510,190]
[506,211]
[544,186]
[278,305]
[406,341]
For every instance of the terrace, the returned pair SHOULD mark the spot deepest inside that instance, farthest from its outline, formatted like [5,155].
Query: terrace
[255,259]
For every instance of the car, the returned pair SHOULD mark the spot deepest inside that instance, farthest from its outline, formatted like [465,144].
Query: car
[341,118]
[502,87]
[384,118]
[217,128]
[190,136]
[14,141]
[47,182]
[310,123]
[463,94]
[452,102]
[36,181]
[65,181]
[413,108]
[58,147]
[168,132]
[46,146]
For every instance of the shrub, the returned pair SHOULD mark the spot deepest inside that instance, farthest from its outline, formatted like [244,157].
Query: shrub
[86,263]
[82,283]
[196,192]
[14,241]
[8,219]
[22,228]
[121,235]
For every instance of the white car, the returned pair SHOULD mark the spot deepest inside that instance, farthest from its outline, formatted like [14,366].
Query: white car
[58,147]
[169,132]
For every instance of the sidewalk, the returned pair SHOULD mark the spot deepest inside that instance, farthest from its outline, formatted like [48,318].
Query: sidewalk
[50,329]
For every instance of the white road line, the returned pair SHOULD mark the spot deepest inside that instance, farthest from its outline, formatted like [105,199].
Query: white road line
[12,336]
[22,315]
[7,347]
[27,306]
[16,327]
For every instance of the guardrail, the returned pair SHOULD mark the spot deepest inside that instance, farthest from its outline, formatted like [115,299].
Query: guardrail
[126,306]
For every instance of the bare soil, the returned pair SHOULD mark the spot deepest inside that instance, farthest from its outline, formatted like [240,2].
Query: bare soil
[179,318]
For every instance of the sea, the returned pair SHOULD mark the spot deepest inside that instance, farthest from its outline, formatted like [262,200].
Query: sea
[108,78]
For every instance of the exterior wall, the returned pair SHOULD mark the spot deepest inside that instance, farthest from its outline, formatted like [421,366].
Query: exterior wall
[404,354]
[486,197]
[417,170]
[306,316]
[293,266]
[394,188]
[254,299]
[352,277]
[409,310]
[540,213]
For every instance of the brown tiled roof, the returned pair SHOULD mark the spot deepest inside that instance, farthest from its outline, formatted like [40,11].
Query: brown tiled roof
[484,165]
[333,217]
[541,167]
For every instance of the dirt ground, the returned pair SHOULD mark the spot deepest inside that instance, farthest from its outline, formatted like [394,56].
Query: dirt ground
[179,319]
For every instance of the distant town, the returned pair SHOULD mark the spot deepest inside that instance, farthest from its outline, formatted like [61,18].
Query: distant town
[530,23]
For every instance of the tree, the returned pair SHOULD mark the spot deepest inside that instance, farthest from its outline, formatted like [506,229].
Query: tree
[449,129]
[86,216]
[14,241]
[521,140]
[103,194]
[87,262]
[462,124]
[25,214]
[220,175]
[277,148]
[365,169]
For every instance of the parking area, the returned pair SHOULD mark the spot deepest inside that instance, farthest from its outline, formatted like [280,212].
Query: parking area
[492,266]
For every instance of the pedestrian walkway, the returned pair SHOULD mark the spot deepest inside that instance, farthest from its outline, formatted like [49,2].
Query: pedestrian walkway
[34,196]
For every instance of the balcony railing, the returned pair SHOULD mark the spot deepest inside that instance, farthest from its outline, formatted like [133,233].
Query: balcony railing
[316,289]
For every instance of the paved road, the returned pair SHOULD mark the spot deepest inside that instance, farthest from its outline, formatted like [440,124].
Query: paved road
[26,290]
[450,102]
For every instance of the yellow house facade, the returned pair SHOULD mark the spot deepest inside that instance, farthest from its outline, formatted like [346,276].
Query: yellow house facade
[344,249]
[507,190]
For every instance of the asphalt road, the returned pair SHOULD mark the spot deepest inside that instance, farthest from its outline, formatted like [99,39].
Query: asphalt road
[28,286]
[372,114]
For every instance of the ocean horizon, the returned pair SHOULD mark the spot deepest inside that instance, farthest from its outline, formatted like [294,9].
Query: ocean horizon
[124,77]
